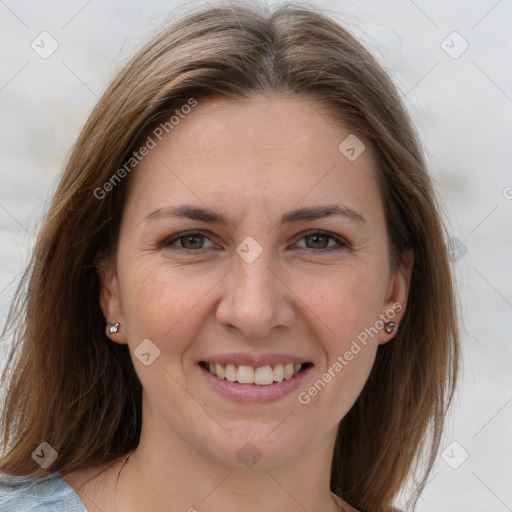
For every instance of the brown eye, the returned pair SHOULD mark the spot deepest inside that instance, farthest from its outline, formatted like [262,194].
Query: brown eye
[194,241]
[317,241]
[191,242]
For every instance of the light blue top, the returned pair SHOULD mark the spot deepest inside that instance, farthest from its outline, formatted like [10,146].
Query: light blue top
[48,494]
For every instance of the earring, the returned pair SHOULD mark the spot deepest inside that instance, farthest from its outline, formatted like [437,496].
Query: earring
[389,326]
[114,328]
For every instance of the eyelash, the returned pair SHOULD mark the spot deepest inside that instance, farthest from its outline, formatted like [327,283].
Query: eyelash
[170,241]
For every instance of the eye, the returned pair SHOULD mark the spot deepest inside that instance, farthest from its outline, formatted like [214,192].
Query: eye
[318,240]
[190,242]
[193,242]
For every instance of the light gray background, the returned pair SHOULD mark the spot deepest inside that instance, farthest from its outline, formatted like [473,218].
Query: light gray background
[462,108]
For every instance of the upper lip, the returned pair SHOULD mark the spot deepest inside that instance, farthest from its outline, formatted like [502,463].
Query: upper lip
[254,360]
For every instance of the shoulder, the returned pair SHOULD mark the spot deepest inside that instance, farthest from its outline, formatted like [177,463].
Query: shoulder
[26,494]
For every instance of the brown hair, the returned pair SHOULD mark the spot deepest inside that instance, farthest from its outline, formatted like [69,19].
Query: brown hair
[69,382]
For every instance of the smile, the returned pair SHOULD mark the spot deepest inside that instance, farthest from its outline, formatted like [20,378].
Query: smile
[254,384]
[260,376]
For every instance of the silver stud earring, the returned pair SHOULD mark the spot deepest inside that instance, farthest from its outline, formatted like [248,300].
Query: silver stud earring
[114,328]
[389,326]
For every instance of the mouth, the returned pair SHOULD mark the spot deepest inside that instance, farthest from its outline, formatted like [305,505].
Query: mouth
[256,376]
[254,384]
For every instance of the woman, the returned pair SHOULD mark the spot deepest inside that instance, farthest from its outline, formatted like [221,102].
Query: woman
[240,298]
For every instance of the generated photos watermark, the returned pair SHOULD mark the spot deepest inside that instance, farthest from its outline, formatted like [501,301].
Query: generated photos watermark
[144,150]
[304,397]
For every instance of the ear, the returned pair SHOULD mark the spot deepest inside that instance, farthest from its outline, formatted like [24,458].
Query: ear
[396,296]
[110,299]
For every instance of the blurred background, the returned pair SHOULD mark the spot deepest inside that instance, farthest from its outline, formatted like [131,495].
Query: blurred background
[451,61]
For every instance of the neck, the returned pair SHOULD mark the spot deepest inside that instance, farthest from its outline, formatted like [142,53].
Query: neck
[159,473]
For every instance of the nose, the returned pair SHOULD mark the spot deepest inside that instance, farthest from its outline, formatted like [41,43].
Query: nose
[255,299]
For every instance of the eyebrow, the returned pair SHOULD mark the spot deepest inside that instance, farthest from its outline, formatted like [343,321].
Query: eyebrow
[208,215]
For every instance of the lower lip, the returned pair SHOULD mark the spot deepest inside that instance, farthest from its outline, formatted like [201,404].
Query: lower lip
[252,393]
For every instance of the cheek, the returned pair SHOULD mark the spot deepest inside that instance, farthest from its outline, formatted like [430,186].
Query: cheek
[349,304]
[338,384]
[351,369]
[350,346]
[162,303]
[347,300]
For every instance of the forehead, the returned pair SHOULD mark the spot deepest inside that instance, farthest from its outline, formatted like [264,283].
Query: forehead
[262,149]
[271,126]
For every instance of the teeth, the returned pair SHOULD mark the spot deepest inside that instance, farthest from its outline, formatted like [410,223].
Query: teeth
[261,376]
[219,370]
[288,370]
[231,372]
[245,374]
[278,372]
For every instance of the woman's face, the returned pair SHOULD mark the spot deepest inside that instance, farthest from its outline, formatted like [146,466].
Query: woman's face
[261,288]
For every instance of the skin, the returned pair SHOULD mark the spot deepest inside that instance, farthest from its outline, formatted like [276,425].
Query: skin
[251,161]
